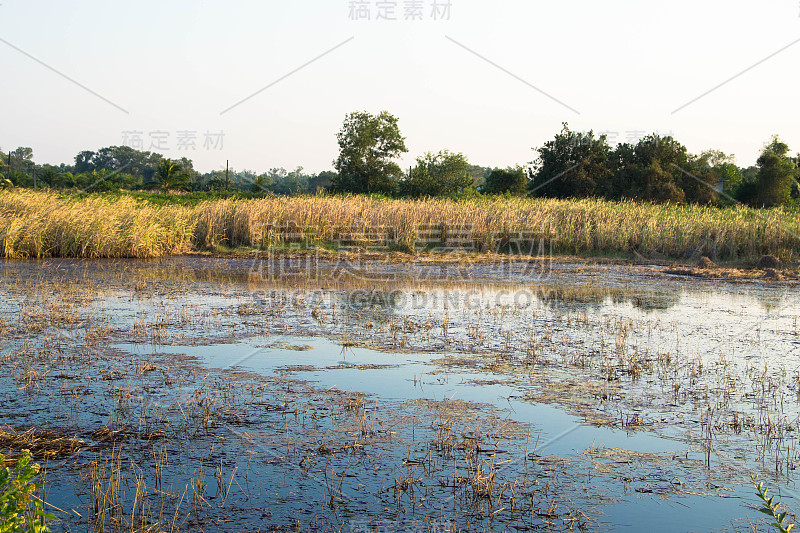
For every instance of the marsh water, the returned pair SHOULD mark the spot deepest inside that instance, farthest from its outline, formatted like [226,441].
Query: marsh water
[297,393]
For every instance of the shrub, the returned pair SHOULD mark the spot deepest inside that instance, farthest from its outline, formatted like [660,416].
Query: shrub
[20,509]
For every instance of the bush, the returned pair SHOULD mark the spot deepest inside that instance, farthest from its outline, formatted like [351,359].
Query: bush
[20,509]
[509,180]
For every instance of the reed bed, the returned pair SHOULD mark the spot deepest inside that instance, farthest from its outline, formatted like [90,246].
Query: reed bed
[39,224]
[43,224]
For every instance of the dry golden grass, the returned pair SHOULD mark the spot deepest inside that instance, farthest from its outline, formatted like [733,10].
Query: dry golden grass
[41,443]
[41,224]
[38,224]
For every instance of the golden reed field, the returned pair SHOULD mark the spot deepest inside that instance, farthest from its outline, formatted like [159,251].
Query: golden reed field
[44,224]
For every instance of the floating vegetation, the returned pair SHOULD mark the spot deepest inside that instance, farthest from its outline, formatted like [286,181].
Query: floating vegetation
[194,394]
[44,444]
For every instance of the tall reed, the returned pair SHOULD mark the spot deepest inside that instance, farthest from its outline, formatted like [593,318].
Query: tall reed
[41,224]
[38,224]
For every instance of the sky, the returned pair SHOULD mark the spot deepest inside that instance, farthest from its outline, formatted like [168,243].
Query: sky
[267,83]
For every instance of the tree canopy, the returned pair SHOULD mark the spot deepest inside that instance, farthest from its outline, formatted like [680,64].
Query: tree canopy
[440,174]
[777,173]
[509,180]
[572,164]
[368,146]
[171,175]
[657,168]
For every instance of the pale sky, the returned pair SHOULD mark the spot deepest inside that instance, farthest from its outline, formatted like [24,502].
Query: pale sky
[489,79]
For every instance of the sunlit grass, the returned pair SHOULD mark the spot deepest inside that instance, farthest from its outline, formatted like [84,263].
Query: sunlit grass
[41,224]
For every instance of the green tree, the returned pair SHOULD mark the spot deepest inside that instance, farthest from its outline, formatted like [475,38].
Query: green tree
[438,174]
[777,173]
[19,166]
[259,184]
[170,175]
[707,174]
[84,163]
[573,164]
[368,145]
[289,183]
[479,174]
[216,184]
[508,180]
[22,160]
[47,175]
[731,176]
[321,182]
[654,169]
[122,158]
[747,192]
[104,180]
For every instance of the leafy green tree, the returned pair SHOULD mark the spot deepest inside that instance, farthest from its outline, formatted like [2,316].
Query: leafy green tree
[731,176]
[750,174]
[170,175]
[259,184]
[573,164]
[368,145]
[122,158]
[216,184]
[777,173]
[20,179]
[654,169]
[509,180]
[18,166]
[440,174]
[747,192]
[289,183]
[479,174]
[63,180]
[708,173]
[84,163]
[22,160]
[321,182]
[47,175]
[214,181]
[103,181]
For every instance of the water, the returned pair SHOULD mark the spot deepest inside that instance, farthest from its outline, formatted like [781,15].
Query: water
[606,381]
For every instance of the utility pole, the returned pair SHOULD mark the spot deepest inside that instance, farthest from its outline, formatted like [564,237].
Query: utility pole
[9,165]
[227,181]
[34,178]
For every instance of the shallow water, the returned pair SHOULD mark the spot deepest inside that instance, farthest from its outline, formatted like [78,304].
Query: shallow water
[619,372]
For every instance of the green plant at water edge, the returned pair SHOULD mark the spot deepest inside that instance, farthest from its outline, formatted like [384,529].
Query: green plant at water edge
[771,508]
[20,509]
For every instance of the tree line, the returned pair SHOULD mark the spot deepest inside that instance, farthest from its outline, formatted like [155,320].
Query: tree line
[571,165]
[660,169]
[120,168]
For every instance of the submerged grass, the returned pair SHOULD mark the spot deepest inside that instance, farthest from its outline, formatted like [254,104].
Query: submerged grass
[43,224]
